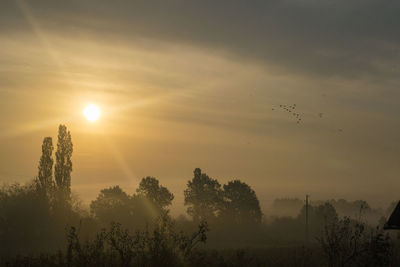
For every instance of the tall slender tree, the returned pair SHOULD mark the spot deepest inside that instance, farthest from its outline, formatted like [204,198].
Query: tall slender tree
[45,168]
[63,167]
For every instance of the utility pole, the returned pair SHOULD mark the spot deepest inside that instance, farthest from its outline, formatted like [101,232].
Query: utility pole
[307,219]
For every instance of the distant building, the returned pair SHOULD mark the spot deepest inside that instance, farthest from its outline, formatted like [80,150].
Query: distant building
[394,219]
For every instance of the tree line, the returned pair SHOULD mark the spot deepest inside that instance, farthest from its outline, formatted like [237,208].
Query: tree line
[205,198]
[124,229]
[47,200]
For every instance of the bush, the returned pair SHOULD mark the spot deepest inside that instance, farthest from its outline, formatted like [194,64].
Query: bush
[116,246]
[352,243]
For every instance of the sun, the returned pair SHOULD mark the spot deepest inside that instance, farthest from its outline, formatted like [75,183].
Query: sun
[92,113]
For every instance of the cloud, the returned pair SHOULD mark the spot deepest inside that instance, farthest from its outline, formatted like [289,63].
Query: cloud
[324,38]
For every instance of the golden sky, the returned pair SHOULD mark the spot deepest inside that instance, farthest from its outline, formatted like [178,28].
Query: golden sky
[185,84]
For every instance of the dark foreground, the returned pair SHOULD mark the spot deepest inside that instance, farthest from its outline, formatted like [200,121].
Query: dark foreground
[341,244]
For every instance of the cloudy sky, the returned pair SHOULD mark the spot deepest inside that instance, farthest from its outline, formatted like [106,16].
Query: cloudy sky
[185,84]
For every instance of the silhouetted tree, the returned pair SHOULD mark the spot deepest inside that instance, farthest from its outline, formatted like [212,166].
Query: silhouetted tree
[63,167]
[347,242]
[26,223]
[112,204]
[319,214]
[326,212]
[45,168]
[157,194]
[203,196]
[241,203]
[318,217]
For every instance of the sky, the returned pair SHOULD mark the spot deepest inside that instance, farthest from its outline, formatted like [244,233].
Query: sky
[186,84]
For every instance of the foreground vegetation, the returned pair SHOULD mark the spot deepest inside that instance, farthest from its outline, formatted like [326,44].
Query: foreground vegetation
[41,224]
[343,243]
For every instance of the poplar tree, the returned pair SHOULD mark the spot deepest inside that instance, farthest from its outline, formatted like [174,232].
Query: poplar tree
[63,167]
[45,168]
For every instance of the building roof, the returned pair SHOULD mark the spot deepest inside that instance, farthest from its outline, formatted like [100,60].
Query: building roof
[394,219]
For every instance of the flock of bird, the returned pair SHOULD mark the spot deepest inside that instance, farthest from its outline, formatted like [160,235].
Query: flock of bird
[291,109]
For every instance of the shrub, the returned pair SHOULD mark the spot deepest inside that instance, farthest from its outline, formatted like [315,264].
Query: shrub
[352,243]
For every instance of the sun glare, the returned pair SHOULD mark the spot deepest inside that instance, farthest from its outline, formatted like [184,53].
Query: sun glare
[92,113]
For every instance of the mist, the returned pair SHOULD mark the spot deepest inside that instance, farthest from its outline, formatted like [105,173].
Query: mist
[270,103]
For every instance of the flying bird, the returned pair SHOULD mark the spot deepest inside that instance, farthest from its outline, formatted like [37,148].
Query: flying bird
[291,109]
